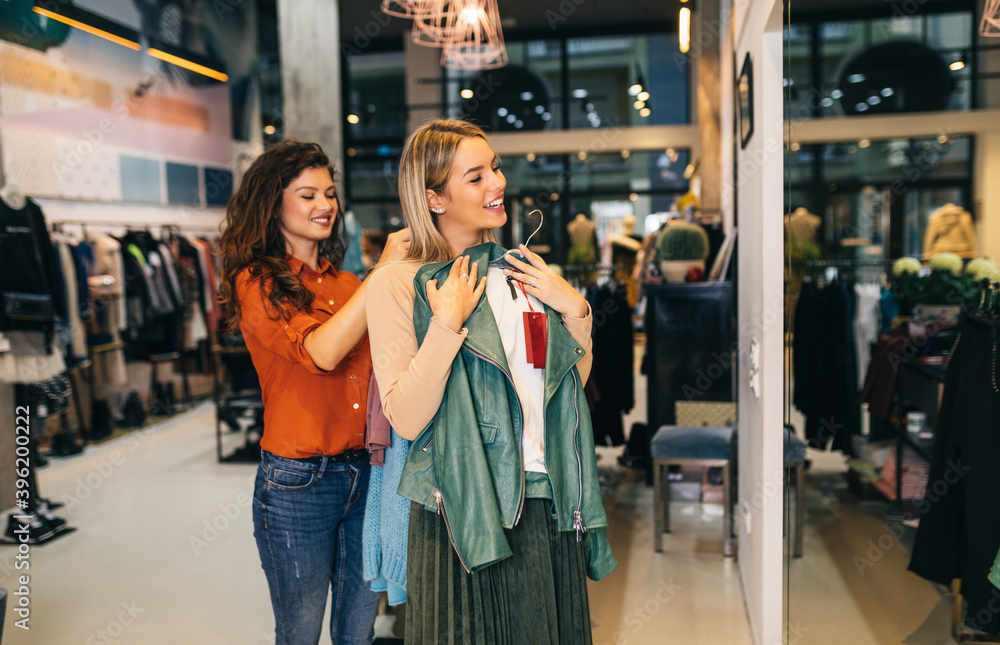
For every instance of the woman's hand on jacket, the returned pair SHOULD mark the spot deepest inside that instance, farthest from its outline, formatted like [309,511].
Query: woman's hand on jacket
[397,246]
[453,302]
[548,286]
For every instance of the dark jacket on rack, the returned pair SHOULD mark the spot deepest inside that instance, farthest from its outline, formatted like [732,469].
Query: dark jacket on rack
[819,360]
[28,265]
[612,373]
[152,303]
[959,532]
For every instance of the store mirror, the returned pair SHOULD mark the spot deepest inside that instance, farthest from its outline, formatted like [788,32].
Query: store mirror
[890,412]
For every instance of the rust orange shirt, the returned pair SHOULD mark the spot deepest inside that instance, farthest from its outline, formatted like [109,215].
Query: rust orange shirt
[307,411]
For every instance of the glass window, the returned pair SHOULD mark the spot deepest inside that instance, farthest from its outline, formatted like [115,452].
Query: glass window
[632,80]
[376,102]
[373,172]
[524,95]
[887,65]
[897,159]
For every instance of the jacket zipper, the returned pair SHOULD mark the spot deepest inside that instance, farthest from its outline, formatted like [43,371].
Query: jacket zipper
[578,513]
[451,538]
[520,505]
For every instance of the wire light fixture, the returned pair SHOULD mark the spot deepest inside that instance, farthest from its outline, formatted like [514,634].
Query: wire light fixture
[990,26]
[434,25]
[477,38]
[468,31]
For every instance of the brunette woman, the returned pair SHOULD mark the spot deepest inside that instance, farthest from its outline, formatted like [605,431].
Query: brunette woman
[304,324]
[481,359]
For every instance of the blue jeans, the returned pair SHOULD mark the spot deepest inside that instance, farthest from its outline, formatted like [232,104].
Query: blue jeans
[307,521]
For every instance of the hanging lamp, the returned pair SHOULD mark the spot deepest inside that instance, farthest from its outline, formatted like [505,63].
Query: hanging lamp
[476,38]
[408,8]
[435,25]
[990,25]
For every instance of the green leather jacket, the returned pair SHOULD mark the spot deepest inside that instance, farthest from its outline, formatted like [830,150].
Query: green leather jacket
[476,479]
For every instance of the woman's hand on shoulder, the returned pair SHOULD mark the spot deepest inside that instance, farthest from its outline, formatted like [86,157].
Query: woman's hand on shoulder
[453,302]
[541,281]
[397,246]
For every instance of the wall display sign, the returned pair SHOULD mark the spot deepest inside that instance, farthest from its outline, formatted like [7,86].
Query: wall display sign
[744,92]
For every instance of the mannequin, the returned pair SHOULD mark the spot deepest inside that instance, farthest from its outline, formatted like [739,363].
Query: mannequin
[802,224]
[583,241]
[950,228]
[625,249]
[13,196]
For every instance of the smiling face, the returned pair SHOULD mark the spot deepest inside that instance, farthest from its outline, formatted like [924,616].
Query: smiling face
[473,197]
[309,209]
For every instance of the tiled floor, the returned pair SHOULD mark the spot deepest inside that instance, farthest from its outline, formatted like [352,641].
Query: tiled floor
[164,553]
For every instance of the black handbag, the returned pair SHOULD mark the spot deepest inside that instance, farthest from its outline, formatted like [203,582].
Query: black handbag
[51,397]
[27,307]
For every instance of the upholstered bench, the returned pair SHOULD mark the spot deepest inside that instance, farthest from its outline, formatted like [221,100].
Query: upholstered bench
[704,446]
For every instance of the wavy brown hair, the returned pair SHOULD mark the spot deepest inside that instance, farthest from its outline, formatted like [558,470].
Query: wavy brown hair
[252,238]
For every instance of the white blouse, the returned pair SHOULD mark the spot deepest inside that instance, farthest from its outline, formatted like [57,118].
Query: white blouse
[529,382]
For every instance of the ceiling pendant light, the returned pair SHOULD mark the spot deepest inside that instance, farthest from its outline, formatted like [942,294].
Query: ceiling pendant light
[435,25]
[990,26]
[408,8]
[685,29]
[476,37]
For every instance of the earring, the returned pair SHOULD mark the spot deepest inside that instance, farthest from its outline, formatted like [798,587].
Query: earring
[437,211]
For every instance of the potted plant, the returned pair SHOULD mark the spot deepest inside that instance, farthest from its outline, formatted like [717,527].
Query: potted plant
[941,290]
[680,247]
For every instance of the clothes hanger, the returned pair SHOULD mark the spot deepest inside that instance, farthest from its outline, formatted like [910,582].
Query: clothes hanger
[502,263]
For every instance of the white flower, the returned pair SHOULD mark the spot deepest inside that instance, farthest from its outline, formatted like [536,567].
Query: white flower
[947,262]
[906,265]
[981,269]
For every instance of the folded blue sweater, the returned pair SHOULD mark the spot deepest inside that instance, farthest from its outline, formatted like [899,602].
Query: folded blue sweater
[387,519]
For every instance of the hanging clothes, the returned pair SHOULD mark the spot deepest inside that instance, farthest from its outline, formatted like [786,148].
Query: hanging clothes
[108,262]
[213,311]
[29,267]
[867,323]
[77,347]
[820,366]
[352,246]
[612,374]
[152,301]
[959,532]
[29,274]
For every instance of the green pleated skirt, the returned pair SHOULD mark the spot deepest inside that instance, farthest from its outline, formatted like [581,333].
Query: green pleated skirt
[537,596]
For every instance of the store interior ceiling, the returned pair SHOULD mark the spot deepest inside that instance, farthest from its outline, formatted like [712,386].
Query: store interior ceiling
[534,18]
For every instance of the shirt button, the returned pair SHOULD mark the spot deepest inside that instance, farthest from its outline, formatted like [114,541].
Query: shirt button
[353,377]
[319,279]
[357,405]
[578,350]
[330,302]
[358,435]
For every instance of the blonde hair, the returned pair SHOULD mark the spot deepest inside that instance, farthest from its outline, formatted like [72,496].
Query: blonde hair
[426,164]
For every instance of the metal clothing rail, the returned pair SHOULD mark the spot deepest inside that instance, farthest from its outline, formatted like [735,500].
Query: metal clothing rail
[848,263]
[55,224]
[592,267]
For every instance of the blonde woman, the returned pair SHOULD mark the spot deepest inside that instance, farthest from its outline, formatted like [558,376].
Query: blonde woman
[483,367]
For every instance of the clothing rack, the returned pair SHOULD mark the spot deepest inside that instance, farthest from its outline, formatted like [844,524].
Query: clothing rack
[848,263]
[56,225]
[579,268]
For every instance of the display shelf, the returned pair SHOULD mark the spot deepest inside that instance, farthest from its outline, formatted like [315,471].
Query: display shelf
[102,295]
[923,447]
[106,347]
[918,387]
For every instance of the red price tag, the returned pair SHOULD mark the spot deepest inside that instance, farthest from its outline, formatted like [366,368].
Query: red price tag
[535,337]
